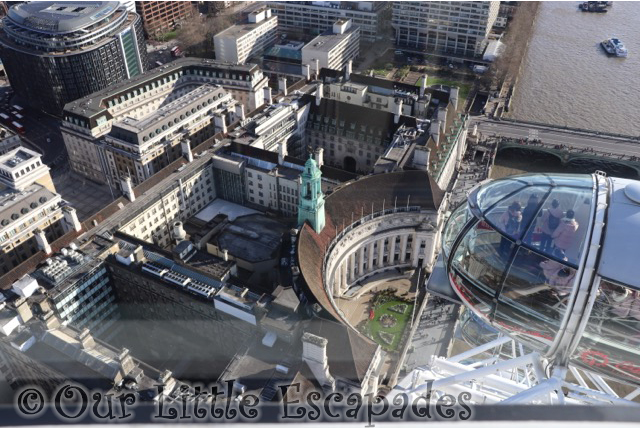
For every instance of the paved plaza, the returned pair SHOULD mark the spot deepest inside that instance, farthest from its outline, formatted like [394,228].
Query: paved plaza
[84,195]
[434,332]
[356,308]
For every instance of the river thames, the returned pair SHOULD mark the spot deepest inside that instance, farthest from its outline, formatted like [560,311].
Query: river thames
[568,80]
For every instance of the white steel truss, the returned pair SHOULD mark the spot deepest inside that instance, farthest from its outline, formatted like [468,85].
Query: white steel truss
[500,372]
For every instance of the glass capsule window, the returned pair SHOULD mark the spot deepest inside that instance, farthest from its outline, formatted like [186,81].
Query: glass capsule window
[456,222]
[516,263]
[610,343]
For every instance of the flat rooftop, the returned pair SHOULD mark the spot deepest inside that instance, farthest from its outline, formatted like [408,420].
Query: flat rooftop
[239,30]
[253,238]
[328,40]
[13,158]
[61,17]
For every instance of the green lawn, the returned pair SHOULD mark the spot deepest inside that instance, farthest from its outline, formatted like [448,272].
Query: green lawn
[167,36]
[374,326]
[464,87]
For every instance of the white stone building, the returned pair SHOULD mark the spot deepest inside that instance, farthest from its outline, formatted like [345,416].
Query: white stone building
[32,214]
[88,120]
[240,42]
[334,48]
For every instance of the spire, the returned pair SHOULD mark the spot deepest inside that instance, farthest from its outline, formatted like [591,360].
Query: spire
[311,198]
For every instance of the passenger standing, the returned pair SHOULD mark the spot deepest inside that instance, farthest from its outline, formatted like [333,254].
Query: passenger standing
[528,216]
[510,222]
[549,223]
[565,234]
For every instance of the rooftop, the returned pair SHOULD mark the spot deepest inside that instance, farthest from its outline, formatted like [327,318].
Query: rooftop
[348,203]
[13,158]
[328,40]
[239,30]
[172,108]
[61,17]
[94,104]
[15,204]
[253,238]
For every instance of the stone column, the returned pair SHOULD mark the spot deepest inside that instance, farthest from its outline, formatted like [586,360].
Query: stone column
[343,282]
[416,248]
[352,267]
[371,251]
[380,253]
[361,262]
[403,247]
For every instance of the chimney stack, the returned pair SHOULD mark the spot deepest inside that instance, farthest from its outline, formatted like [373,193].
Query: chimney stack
[41,240]
[282,83]
[240,112]
[220,122]
[317,68]
[348,70]
[268,99]
[178,232]
[423,85]
[282,151]
[453,95]
[319,94]
[397,110]
[127,188]
[186,150]
[306,72]
[314,353]
[71,221]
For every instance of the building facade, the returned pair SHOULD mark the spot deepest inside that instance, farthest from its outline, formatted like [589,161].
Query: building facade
[161,16]
[32,214]
[139,148]
[88,122]
[334,48]
[352,136]
[456,28]
[309,19]
[55,53]
[240,42]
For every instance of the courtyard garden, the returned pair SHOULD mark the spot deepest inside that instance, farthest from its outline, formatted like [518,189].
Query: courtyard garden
[389,316]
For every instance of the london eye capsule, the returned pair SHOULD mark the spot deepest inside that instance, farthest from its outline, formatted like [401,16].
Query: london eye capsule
[553,261]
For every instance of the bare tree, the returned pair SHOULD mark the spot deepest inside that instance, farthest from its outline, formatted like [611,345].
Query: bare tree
[507,66]
[196,34]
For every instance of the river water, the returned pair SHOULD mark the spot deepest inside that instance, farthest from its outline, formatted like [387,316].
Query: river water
[567,79]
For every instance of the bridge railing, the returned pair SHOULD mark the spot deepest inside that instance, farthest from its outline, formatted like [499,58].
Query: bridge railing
[635,139]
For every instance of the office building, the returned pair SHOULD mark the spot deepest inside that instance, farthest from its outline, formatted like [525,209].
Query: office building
[159,17]
[32,214]
[307,19]
[8,140]
[450,28]
[79,287]
[436,143]
[112,130]
[334,48]
[240,42]
[267,180]
[55,53]
[352,136]
[38,350]
[139,148]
